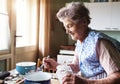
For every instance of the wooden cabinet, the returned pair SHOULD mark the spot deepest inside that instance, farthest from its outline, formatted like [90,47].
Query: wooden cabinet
[104,15]
[115,15]
[65,56]
[64,59]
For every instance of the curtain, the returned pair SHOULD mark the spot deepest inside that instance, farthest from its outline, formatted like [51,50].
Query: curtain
[44,28]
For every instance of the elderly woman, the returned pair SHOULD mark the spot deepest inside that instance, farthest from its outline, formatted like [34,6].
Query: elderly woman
[97,55]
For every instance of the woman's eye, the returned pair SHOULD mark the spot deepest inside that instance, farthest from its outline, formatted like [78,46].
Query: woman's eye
[70,25]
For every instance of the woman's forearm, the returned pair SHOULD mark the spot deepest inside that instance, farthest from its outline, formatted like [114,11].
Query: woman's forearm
[74,67]
[111,79]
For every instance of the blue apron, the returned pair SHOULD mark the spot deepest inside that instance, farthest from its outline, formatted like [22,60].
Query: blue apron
[88,60]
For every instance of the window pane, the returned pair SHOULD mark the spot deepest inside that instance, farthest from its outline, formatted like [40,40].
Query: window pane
[4,27]
[26,23]
[3,6]
[4,32]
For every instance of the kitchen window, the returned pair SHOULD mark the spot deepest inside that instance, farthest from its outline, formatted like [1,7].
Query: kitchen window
[4,28]
[18,28]
[26,23]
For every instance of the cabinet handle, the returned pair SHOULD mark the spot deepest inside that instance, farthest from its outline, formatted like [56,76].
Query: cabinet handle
[115,28]
[108,28]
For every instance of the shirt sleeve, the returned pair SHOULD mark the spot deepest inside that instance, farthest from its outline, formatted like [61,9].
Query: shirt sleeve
[109,56]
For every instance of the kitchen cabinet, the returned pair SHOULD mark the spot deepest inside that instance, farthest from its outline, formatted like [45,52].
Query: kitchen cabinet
[65,59]
[104,15]
[115,15]
[65,56]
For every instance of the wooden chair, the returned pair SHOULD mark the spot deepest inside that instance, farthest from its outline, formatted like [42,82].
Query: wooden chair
[39,62]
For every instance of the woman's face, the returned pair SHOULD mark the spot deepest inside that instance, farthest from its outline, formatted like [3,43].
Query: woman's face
[75,30]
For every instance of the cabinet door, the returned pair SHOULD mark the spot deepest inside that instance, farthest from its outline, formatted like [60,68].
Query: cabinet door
[115,15]
[100,14]
[64,59]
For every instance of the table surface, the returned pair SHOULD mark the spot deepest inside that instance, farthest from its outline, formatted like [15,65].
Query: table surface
[19,79]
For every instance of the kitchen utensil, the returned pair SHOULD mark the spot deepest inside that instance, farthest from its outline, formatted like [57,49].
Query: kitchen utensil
[38,78]
[25,67]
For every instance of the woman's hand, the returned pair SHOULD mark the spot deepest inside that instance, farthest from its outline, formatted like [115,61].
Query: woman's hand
[49,63]
[73,79]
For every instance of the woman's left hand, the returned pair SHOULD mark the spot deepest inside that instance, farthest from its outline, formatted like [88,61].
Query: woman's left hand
[73,79]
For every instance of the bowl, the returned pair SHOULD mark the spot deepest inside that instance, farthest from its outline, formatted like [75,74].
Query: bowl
[25,67]
[38,78]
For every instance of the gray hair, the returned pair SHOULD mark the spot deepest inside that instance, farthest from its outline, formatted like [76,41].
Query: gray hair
[74,11]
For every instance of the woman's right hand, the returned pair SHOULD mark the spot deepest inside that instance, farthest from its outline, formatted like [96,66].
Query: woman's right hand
[50,63]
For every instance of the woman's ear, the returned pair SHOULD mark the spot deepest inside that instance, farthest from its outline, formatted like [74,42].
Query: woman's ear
[85,21]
